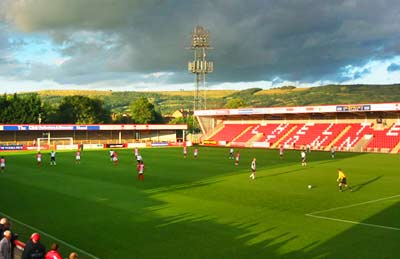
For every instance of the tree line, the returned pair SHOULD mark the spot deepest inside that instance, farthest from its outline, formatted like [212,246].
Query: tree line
[77,109]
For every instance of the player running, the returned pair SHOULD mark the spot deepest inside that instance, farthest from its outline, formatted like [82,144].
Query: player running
[253,169]
[231,153]
[237,158]
[140,168]
[111,155]
[2,164]
[342,180]
[78,157]
[139,158]
[52,157]
[39,159]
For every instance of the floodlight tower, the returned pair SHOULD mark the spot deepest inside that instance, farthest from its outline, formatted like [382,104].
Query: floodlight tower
[200,66]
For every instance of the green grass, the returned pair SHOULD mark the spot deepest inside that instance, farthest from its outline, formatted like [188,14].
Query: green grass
[206,208]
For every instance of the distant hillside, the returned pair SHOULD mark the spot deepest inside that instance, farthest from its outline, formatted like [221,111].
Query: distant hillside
[167,102]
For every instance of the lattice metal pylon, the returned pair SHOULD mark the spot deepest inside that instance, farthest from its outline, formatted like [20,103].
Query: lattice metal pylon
[200,66]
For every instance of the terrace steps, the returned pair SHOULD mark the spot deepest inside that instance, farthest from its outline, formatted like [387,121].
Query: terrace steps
[328,147]
[284,136]
[242,133]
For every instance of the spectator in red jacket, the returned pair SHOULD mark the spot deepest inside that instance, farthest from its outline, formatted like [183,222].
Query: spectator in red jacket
[53,253]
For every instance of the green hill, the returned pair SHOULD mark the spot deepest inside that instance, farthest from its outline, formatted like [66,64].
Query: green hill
[168,102]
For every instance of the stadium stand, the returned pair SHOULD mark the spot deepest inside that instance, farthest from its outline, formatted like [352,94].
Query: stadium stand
[230,131]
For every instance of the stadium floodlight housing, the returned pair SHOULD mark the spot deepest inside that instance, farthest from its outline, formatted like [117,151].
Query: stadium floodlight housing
[200,66]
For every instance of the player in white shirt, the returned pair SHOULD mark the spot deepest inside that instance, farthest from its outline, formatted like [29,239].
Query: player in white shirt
[303,158]
[139,158]
[231,153]
[2,164]
[111,155]
[39,158]
[78,157]
[253,169]
[195,153]
[52,157]
[184,152]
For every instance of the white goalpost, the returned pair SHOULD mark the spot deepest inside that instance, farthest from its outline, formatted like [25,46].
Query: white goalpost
[67,141]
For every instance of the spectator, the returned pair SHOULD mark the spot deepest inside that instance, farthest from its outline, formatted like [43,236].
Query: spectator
[53,253]
[73,255]
[5,246]
[33,248]
[14,236]
[3,223]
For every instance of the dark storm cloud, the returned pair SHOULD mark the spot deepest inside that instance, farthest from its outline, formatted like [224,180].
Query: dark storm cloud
[304,40]
[393,67]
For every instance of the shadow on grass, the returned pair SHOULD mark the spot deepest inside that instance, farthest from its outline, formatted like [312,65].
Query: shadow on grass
[364,241]
[359,186]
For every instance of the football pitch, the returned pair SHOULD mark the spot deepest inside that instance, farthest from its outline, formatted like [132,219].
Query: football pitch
[206,208]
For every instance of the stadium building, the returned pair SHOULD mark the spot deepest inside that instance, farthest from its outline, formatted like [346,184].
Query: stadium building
[373,127]
[70,136]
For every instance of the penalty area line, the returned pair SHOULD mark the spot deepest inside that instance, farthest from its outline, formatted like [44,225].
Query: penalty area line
[313,214]
[50,236]
[353,205]
[352,222]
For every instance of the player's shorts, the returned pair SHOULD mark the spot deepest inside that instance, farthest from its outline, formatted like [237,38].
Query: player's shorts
[52,158]
[115,158]
[78,158]
[344,181]
[2,165]
[303,160]
[39,160]
[253,170]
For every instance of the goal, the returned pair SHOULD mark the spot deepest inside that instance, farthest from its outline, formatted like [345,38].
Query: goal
[69,141]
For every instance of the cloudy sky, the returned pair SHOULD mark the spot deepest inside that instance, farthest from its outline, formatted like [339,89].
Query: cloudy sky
[141,44]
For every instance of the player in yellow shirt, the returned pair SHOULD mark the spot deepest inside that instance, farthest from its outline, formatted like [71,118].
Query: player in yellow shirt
[342,180]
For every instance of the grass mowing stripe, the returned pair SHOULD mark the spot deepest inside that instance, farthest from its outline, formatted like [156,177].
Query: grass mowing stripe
[352,205]
[50,236]
[352,222]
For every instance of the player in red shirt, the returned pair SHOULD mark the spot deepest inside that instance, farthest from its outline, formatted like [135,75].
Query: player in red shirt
[115,158]
[2,164]
[195,153]
[237,158]
[140,168]
[39,158]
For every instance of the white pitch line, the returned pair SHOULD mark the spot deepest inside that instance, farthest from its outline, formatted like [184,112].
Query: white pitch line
[353,222]
[312,214]
[353,205]
[50,236]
